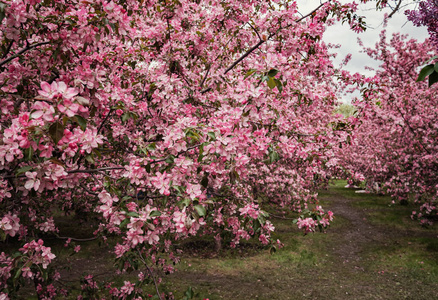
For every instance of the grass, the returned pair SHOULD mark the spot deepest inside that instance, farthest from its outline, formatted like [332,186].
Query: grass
[398,261]
[373,250]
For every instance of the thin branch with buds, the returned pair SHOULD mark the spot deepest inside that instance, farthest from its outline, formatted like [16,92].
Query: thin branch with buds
[262,41]
[150,274]
[27,48]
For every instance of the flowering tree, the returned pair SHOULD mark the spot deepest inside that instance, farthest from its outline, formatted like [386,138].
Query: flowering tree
[395,146]
[167,119]
[427,15]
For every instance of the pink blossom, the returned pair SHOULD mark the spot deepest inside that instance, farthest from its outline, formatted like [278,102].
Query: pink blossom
[10,224]
[38,253]
[194,190]
[127,288]
[57,89]
[161,183]
[43,110]
[68,107]
[251,210]
[33,182]
[308,224]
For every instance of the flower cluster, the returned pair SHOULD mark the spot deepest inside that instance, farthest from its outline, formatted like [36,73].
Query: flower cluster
[426,15]
[37,253]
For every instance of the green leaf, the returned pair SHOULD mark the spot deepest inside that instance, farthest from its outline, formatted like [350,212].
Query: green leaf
[132,214]
[279,85]
[273,72]
[170,159]
[200,210]
[436,67]
[273,156]
[426,71]
[271,83]
[113,26]
[249,73]
[2,235]
[178,188]
[189,293]
[433,78]
[45,275]
[430,59]
[89,158]
[56,131]
[97,152]
[185,202]
[125,117]
[28,153]
[124,223]
[81,121]
[148,168]
[24,170]
[151,146]
[201,153]
[212,135]
[155,213]
[17,275]
[256,225]
[234,176]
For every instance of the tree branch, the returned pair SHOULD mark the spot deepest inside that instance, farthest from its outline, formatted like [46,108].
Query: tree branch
[8,49]
[256,46]
[27,48]
[282,218]
[205,77]
[150,274]
[95,170]
[244,56]
[253,28]
[77,240]
[410,128]
[103,122]
[396,8]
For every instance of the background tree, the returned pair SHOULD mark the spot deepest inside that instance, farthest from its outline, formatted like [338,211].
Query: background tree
[395,147]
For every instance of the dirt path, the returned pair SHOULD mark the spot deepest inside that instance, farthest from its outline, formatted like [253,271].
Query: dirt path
[360,232]
[372,251]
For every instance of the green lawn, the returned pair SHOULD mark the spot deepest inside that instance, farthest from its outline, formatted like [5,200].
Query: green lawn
[373,250]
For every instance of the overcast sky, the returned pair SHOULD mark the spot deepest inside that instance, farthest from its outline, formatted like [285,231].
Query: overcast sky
[341,34]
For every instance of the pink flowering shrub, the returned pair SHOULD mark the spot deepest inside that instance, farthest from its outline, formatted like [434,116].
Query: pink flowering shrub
[164,120]
[395,146]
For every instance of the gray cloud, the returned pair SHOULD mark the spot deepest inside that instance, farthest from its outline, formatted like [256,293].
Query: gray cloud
[347,39]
